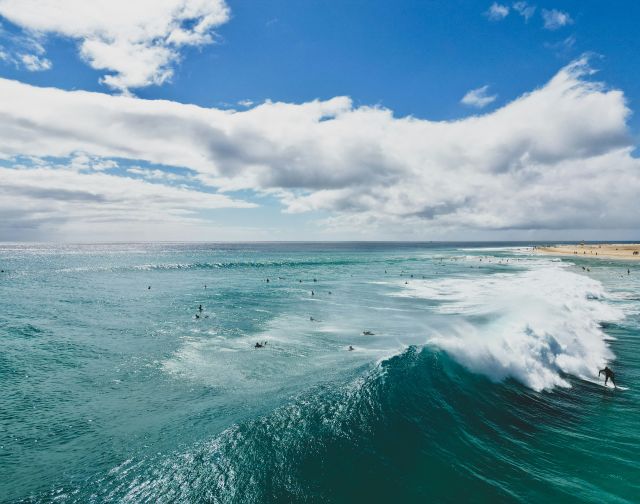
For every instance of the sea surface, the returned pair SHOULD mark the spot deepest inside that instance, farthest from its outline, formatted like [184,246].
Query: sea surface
[476,379]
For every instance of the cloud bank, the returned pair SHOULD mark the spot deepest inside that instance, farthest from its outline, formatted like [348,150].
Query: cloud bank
[556,158]
[136,42]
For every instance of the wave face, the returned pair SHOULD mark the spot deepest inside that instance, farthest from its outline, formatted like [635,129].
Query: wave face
[471,378]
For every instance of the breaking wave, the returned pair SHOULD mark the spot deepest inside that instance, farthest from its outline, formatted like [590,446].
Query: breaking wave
[535,326]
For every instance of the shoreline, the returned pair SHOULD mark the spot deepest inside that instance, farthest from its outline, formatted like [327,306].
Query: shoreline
[617,251]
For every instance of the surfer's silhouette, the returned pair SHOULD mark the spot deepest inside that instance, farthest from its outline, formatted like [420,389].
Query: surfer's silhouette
[608,375]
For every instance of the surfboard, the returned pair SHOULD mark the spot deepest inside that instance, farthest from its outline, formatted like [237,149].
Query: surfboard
[619,387]
[609,385]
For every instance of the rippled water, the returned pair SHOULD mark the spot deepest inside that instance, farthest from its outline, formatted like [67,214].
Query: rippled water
[477,383]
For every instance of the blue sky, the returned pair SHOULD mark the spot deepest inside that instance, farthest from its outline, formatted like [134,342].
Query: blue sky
[415,57]
[410,58]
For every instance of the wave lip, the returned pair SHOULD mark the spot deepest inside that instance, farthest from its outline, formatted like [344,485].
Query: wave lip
[536,326]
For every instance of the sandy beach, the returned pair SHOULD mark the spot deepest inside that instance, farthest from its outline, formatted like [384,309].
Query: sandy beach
[622,251]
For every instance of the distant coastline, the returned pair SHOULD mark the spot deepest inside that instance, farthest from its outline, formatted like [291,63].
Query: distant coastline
[619,251]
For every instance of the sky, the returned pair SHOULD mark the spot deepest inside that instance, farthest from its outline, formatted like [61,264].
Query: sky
[319,120]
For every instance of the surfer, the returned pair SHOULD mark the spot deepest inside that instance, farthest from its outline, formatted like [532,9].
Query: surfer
[258,345]
[200,308]
[351,349]
[608,374]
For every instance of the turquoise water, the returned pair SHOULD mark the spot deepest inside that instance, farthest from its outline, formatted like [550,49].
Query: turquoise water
[476,384]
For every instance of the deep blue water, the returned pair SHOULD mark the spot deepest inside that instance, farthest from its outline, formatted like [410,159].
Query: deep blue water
[478,384]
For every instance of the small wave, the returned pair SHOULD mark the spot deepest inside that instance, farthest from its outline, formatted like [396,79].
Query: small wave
[212,265]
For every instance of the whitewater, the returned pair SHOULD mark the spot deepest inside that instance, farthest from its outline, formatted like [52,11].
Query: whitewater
[130,373]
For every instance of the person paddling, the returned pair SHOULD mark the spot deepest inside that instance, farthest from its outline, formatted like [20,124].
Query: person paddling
[608,375]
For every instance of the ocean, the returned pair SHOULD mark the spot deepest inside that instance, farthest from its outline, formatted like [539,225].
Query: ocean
[130,373]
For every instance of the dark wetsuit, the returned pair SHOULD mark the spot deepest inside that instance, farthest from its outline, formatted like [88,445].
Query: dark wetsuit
[608,375]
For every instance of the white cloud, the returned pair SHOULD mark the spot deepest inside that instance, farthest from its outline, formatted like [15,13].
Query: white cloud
[478,97]
[35,63]
[30,62]
[53,198]
[135,42]
[158,175]
[563,47]
[556,158]
[497,12]
[524,9]
[554,19]
[23,51]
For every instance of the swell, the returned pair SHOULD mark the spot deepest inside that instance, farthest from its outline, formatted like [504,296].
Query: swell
[419,426]
[233,265]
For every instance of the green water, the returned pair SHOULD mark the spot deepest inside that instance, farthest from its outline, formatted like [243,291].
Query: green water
[474,386]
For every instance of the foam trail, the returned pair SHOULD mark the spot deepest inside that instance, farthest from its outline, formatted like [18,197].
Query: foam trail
[533,326]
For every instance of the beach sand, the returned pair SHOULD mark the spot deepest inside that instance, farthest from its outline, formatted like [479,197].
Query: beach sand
[623,251]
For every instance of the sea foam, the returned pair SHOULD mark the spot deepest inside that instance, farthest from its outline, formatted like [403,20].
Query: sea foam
[536,326]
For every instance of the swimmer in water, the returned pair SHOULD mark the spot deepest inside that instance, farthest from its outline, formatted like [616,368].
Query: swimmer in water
[351,349]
